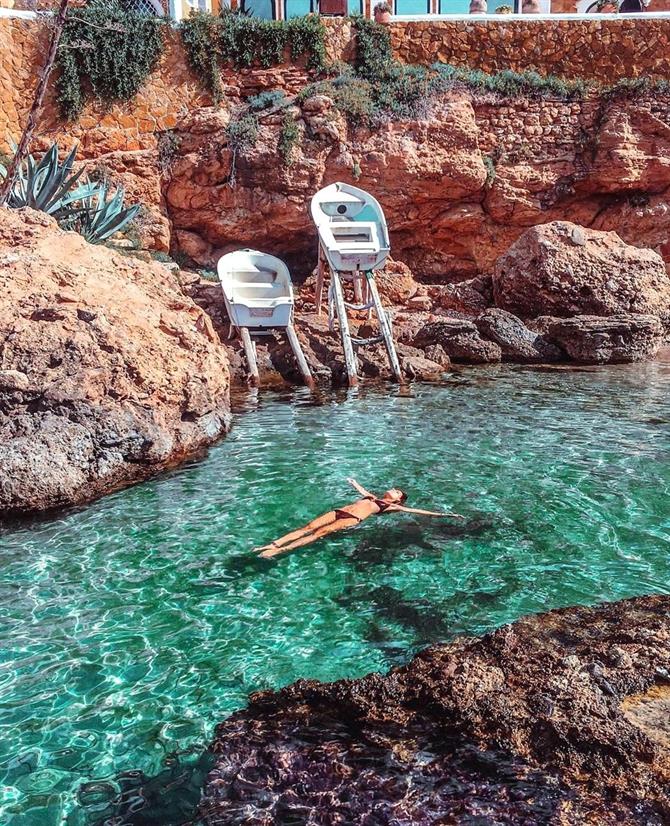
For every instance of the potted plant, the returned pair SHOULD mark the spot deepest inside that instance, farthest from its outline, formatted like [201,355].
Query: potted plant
[504,10]
[382,13]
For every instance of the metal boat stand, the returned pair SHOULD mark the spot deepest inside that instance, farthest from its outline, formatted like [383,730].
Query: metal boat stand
[250,352]
[367,298]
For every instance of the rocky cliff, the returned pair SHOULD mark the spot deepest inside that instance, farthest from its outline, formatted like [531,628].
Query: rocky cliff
[108,373]
[559,718]
[458,186]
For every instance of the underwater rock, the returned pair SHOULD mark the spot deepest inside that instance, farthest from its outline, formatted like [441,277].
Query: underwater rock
[461,340]
[617,339]
[564,270]
[552,719]
[517,342]
[109,373]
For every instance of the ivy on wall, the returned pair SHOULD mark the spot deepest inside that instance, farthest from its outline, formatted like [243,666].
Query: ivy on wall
[374,54]
[106,52]
[232,39]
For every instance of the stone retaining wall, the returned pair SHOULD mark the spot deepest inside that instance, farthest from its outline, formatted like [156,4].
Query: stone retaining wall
[593,48]
[603,50]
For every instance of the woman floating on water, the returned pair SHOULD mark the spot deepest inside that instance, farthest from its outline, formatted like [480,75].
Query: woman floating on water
[347,517]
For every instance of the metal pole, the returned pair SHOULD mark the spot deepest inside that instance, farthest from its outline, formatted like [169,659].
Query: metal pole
[318,298]
[250,353]
[349,357]
[385,328]
[299,355]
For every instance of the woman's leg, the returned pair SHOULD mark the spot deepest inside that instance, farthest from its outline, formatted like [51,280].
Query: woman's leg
[307,530]
[332,527]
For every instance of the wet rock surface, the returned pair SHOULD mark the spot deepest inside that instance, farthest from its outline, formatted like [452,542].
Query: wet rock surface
[563,269]
[553,719]
[435,329]
[108,373]
[461,341]
[615,340]
[516,341]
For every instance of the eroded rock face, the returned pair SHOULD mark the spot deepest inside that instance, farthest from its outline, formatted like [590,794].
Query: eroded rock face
[458,187]
[460,340]
[553,719]
[108,373]
[562,269]
[517,342]
[614,340]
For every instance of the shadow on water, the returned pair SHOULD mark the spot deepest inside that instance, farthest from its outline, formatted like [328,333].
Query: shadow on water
[422,536]
[132,798]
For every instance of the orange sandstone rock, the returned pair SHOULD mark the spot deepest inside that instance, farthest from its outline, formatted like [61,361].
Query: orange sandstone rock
[108,373]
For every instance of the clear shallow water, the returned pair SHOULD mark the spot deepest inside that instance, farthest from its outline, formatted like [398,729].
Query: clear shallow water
[132,626]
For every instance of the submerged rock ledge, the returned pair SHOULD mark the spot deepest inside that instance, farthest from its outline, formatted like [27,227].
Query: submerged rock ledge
[556,718]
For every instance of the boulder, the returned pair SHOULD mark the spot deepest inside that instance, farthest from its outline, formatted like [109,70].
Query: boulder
[395,283]
[614,340]
[562,269]
[516,341]
[460,340]
[109,374]
[469,297]
[556,718]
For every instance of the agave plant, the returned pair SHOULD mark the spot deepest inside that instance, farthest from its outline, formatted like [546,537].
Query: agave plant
[49,185]
[98,218]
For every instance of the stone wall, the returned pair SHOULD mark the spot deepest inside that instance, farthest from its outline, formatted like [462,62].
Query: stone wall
[592,48]
[171,92]
[595,48]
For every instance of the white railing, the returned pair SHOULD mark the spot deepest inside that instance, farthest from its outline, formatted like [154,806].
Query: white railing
[528,18]
[474,18]
[26,15]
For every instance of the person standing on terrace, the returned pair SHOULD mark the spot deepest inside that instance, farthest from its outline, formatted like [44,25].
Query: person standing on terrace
[478,7]
[530,7]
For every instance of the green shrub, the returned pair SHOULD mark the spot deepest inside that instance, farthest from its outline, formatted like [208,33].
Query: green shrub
[289,138]
[168,148]
[200,36]
[404,93]
[506,83]
[354,98]
[374,55]
[491,172]
[242,135]
[236,40]
[266,100]
[634,86]
[105,51]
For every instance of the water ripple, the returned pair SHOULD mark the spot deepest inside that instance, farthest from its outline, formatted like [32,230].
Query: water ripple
[134,625]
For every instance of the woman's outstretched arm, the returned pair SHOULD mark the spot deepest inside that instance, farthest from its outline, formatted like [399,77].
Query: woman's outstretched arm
[363,492]
[403,509]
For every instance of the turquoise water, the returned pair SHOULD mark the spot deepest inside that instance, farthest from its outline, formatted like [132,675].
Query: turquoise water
[132,626]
